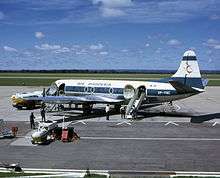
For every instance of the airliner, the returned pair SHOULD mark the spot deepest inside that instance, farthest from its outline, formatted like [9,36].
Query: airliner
[187,81]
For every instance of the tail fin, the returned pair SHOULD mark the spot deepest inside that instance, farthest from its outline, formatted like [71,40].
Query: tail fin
[188,72]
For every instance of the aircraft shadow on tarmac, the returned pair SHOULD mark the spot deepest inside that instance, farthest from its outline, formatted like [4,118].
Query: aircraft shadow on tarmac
[73,116]
[205,117]
[194,118]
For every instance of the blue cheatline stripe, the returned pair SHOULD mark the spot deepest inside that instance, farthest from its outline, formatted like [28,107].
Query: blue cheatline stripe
[189,58]
[119,91]
[105,90]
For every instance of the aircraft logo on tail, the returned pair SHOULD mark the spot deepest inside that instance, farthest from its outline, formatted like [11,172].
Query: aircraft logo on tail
[188,68]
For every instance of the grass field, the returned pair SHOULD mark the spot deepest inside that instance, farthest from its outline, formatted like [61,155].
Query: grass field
[45,79]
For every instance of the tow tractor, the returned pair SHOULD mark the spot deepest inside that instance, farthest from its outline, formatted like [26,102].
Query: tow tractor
[49,131]
[43,132]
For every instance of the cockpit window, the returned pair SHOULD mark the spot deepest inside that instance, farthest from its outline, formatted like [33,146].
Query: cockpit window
[52,90]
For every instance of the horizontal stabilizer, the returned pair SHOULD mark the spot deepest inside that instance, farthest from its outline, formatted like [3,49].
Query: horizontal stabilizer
[181,88]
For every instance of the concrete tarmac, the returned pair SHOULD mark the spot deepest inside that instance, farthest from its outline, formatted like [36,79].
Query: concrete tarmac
[139,146]
[198,105]
[155,142]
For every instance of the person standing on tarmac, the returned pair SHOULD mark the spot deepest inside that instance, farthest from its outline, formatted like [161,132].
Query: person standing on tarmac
[107,110]
[32,117]
[42,112]
[122,111]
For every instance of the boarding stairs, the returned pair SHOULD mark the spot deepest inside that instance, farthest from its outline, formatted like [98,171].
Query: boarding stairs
[51,107]
[135,103]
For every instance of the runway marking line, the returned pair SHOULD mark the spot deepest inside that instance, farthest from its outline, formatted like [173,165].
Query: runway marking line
[107,172]
[82,122]
[215,123]
[151,139]
[144,138]
[124,122]
[171,122]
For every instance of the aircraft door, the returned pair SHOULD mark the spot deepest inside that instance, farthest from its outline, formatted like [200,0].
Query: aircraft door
[61,89]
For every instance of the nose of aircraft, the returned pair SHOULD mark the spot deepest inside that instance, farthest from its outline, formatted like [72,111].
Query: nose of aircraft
[13,97]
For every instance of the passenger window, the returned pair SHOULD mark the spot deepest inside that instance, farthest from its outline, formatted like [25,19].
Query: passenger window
[86,89]
[111,90]
[92,90]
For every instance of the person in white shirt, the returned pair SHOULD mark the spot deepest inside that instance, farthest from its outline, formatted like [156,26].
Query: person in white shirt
[107,110]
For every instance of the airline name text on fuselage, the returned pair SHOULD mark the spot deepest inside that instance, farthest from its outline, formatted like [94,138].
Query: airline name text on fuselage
[93,84]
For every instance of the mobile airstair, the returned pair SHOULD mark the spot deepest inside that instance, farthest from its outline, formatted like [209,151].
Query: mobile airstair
[135,103]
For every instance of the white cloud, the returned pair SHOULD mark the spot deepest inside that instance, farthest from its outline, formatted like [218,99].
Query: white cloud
[62,50]
[217,46]
[75,46]
[55,48]
[2,16]
[124,50]
[113,3]
[112,8]
[47,47]
[174,42]
[96,47]
[9,49]
[158,51]
[213,43]
[111,12]
[147,45]
[103,53]
[214,17]
[81,52]
[27,53]
[39,35]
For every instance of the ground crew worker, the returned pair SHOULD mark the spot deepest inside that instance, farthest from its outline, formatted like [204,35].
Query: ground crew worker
[32,117]
[107,110]
[122,111]
[42,112]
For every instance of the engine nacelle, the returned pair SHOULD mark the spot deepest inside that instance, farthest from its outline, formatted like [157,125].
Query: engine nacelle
[128,92]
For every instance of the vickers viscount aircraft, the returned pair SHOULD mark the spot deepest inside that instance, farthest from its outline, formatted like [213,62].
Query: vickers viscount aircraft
[184,83]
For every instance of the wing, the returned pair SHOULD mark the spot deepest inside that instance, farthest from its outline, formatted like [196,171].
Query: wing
[76,99]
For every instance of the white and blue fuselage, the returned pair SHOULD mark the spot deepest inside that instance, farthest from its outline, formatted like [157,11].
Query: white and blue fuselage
[184,83]
[156,92]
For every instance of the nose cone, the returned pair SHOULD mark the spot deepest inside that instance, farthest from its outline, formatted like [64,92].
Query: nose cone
[13,97]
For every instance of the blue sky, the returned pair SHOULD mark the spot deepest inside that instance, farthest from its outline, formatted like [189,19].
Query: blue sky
[108,34]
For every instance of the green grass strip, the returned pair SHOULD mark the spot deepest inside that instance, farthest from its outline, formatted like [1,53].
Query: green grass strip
[45,79]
